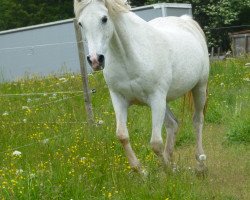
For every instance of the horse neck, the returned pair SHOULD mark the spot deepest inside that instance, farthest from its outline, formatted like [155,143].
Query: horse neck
[130,34]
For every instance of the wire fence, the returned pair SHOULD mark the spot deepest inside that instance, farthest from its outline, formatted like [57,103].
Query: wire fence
[29,144]
[37,45]
[45,106]
[51,102]
[40,93]
[41,105]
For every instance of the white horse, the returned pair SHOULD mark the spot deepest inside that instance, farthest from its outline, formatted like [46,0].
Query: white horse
[147,62]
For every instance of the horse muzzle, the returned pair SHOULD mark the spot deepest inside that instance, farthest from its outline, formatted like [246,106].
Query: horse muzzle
[96,61]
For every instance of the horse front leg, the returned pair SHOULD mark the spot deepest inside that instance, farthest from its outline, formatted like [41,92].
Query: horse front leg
[158,108]
[120,105]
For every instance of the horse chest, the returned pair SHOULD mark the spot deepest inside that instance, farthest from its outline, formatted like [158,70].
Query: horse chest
[134,89]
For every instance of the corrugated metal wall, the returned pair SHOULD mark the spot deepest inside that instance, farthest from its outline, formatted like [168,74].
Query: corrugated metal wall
[40,50]
[51,48]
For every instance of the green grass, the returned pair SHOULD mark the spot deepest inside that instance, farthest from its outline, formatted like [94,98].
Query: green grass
[239,129]
[62,157]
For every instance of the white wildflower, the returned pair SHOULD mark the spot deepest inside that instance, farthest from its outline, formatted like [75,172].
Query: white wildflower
[82,159]
[24,120]
[32,175]
[25,108]
[100,122]
[45,141]
[19,171]
[17,153]
[5,113]
[53,96]
[29,100]
[63,80]
[175,168]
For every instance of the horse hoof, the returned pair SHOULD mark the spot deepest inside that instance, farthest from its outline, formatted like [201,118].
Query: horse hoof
[144,173]
[140,170]
[201,171]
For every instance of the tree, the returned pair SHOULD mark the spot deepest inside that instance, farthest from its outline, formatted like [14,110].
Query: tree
[10,11]
[19,13]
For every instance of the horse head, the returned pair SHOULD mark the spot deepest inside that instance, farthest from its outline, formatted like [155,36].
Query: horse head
[94,17]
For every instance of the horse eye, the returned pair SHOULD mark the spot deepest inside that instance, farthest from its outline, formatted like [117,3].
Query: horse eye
[104,19]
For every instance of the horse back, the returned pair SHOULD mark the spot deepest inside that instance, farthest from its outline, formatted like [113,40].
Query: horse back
[190,63]
[183,24]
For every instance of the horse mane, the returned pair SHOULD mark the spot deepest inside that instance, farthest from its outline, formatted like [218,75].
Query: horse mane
[113,6]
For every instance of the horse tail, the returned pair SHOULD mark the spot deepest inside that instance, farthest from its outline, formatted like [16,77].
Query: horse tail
[206,103]
[188,103]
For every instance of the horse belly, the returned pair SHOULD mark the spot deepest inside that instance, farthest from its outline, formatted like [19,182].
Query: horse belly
[176,92]
[184,79]
[190,68]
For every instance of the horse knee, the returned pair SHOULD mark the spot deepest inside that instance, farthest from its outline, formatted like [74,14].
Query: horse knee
[157,146]
[122,136]
[198,119]
[123,140]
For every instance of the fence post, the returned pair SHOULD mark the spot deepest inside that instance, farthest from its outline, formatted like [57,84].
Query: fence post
[212,53]
[84,73]
[246,44]
[218,52]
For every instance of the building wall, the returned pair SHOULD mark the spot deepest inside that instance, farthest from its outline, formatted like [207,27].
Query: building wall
[51,48]
[40,50]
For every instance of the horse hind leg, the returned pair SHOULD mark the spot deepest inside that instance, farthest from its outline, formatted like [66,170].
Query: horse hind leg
[199,98]
[171,128]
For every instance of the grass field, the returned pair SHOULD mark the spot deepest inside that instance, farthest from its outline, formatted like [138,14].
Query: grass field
[47,151]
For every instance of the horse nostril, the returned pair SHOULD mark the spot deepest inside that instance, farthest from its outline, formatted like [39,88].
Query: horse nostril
[101,58]
[89,61]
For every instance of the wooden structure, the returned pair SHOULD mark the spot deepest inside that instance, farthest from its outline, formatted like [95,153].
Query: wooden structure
[84,73]
[240,42]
